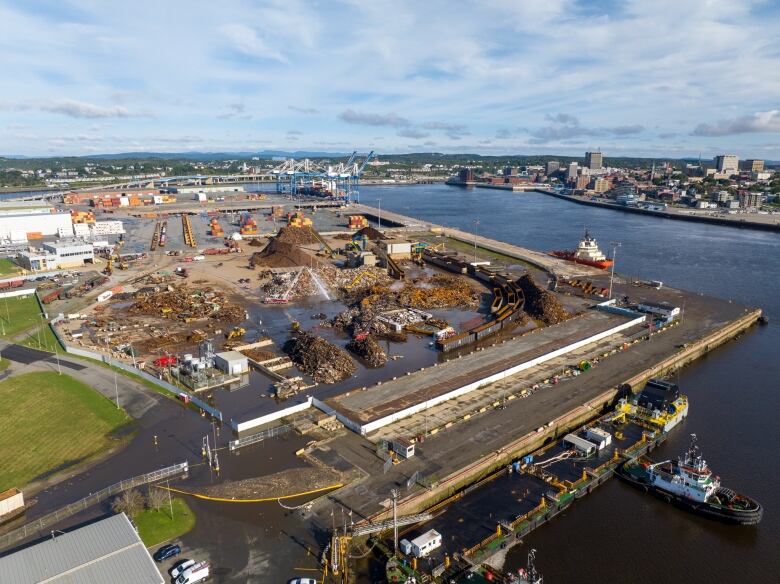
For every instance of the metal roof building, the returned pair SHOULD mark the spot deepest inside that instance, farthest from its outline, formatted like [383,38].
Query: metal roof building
[105,551]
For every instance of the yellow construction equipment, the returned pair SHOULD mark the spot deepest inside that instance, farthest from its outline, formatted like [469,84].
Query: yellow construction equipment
[235,333]
[359,278]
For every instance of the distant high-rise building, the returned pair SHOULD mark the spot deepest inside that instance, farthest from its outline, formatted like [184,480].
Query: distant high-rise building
[571,172]
[753,165]
[510,171]
[600,185]
[593,160]
[551,166]
[727,164]
[581,182]
[750,200]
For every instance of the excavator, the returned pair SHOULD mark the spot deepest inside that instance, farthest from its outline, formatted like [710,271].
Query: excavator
[235,333]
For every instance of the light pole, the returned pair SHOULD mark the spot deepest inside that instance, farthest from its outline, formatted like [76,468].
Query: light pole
[476,227]
[116,387]
[615,246]
[380,213]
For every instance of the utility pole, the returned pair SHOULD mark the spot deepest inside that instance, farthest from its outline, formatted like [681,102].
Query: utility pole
[116,388]
[394,492]
[615,246]
[476,226]
[170,502]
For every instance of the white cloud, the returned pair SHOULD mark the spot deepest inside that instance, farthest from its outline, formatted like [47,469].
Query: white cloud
[80,109]
[245,40]
[760,122]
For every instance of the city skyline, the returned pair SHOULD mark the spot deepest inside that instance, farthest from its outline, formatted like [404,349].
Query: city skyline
[631,79]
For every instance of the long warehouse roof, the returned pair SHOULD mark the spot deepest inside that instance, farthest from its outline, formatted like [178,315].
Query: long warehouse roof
[105,551]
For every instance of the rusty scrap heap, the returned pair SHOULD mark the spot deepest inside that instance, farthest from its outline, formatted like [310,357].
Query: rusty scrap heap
[540,303]
[182,303]
[324,361]
[369,350]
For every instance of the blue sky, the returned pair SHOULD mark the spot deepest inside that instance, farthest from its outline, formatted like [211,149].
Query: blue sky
[647,78]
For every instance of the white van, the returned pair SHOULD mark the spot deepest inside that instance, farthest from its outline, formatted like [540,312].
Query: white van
[196,573]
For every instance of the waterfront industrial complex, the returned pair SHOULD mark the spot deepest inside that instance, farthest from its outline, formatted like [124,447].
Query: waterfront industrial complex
[370,374]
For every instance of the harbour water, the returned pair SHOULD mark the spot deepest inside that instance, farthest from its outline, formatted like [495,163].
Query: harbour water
[619,534]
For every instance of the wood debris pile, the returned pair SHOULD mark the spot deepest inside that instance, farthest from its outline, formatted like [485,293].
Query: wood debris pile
[540,303]
[369,350]
[324,361]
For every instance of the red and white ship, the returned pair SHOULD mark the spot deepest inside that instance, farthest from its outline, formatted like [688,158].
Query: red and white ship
[587,253]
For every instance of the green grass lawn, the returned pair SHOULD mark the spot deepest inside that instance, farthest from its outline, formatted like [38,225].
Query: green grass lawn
[42,338]
[4,363]
[155,527]
[22,313]
[50,422]
[8,268]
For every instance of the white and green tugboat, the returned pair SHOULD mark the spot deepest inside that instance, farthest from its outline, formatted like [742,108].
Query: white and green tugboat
[689,483]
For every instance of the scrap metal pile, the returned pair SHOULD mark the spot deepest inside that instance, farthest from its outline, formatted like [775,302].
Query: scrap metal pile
[183,303]
[369,350]
[540,303]
[366,305]
[324,361]
[290,285]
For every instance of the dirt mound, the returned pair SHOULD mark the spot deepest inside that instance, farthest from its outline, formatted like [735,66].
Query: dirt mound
[368,350]
[297,235]
[315,356]
[276,254]
[256,242]
[371,233]
[540,303]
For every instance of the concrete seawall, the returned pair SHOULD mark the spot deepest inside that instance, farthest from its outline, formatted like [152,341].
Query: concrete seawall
[484,466]
[667,215]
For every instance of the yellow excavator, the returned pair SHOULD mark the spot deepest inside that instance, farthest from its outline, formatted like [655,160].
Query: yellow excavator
[235,333]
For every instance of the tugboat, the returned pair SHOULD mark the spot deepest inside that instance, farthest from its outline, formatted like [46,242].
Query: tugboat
[690,484]
[527,575]
[587,253]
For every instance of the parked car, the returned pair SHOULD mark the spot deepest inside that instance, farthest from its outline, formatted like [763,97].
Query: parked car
[180,566]
[167,551]
[196,573]
[302,581]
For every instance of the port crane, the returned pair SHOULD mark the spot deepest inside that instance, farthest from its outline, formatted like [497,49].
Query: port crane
[301,177]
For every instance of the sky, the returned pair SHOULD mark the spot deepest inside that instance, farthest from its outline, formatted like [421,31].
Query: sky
[656,78]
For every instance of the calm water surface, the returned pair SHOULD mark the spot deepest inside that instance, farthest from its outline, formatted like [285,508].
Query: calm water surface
[618,534]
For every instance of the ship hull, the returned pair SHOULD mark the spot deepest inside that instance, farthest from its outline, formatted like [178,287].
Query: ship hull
[751,516]
[570,257]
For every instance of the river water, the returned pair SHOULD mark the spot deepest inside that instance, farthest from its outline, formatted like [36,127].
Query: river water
[618,534]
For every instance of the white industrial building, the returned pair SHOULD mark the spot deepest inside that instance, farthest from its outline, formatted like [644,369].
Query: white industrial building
[37,260]
[398,249]
[17,226]
[231,362]
[71,253]
[660,309]
[107,551]
[421,546]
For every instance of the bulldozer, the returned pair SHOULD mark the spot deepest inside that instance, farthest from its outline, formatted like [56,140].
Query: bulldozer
[235,333]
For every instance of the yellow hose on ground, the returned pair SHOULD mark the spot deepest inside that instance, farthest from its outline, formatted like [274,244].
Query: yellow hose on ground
[264,500]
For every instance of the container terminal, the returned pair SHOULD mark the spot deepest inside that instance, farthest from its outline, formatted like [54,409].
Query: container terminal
[421,365]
